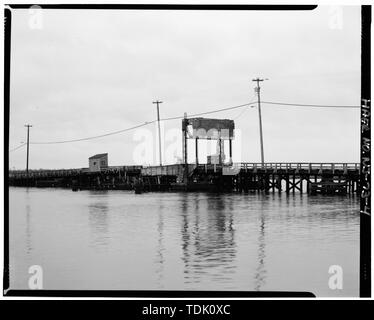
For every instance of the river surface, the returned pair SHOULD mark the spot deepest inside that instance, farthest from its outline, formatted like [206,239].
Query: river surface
[116,240]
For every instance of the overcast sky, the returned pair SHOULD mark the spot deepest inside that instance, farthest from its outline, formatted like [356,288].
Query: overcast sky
[90,72]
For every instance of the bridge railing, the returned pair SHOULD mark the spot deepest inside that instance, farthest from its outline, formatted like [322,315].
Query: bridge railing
[170,169]
[44,173]
[299,166]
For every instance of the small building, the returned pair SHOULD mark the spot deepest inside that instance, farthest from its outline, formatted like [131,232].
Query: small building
[98,162]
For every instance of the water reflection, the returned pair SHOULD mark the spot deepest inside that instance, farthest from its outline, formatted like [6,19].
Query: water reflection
[208,242]
[260,273]
[184,241]
[160,248]
[28,223]
[98,219]
[185,236]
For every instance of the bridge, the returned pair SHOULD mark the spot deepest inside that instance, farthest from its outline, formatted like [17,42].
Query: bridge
[215,175]
[328,178]
[290,177]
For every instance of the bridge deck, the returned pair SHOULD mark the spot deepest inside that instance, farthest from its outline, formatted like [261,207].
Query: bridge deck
[70,172]
[177,169]
[330,178]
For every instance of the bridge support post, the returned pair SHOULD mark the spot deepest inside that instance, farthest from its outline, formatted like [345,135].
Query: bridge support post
[266,183]
[279,183]
[246,184]
[308,185]
[197,150]
[230,150]
[293,183]
[357,187]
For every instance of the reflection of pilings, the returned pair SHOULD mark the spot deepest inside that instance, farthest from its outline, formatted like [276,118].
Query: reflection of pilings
[260,270]
[28,224]
[185,235]
[160,249]
[28,230]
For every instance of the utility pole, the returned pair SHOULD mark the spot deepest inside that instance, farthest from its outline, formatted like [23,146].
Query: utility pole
[159,129]
[28,143]
[257,90]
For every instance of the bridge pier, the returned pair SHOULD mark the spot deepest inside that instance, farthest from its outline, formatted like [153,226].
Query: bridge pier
[287,177]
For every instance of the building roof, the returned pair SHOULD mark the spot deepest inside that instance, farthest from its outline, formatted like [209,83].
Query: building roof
[98,156]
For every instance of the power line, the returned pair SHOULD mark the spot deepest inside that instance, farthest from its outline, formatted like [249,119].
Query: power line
[241,113]
[96,137]
[209,112]
[141,125]
[181,117]
[224,109]
[244,109]
[309,105]
[14,149]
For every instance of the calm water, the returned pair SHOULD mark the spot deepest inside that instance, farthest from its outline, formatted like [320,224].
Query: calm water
[183,241]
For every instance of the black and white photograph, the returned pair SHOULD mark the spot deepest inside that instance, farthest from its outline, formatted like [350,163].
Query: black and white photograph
[166,149]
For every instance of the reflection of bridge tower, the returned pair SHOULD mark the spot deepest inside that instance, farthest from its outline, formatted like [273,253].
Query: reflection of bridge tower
[208,241]
[208,129]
